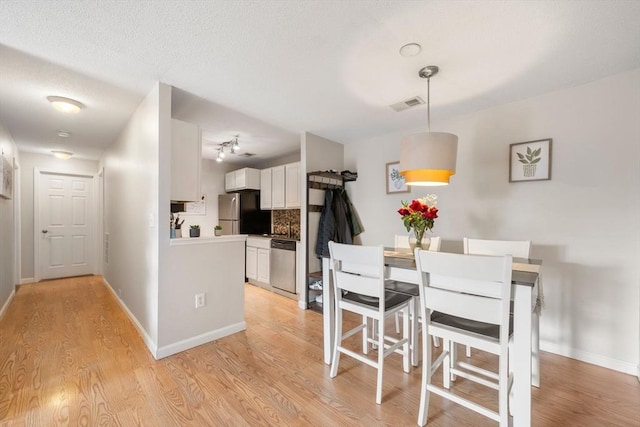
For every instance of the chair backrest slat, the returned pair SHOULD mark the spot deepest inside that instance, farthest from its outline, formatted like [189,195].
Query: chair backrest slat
[468,306]
[363,285]
[515,248]
[358,269]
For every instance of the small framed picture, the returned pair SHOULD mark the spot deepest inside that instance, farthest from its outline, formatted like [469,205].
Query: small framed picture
[530,161]
[395,181]
[6,175]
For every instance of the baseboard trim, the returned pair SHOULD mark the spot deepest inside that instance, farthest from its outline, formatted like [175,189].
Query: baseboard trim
[7,302]
[27,280]
[594,359]
[197,340]
[302,305]
[638,373]
[153,348]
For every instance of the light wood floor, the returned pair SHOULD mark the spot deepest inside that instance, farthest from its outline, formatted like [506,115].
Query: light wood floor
[70,356]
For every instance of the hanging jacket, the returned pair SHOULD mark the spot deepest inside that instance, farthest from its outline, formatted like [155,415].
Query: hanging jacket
[352,216]
[326,227]
[339,207]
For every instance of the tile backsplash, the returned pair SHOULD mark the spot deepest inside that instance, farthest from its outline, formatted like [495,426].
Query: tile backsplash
[286,222]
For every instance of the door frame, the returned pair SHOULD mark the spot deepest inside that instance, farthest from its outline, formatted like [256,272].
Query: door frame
[37,172]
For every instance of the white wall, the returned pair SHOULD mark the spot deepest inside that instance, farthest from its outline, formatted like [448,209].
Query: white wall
[214,267]
[211,184]
[28,162]
[132,211]
[584,223]
[8,248]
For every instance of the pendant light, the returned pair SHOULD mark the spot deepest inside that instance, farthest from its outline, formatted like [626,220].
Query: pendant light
[428,158]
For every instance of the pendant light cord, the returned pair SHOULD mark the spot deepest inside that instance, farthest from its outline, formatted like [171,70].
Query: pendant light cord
[428,105]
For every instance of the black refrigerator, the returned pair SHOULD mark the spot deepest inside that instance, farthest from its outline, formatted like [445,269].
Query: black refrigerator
[239,213]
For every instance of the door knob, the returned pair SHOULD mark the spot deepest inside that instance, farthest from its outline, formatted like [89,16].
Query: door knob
[45,231]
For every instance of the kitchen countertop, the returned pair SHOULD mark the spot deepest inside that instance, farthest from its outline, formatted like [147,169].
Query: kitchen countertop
[274,236]
[207,240]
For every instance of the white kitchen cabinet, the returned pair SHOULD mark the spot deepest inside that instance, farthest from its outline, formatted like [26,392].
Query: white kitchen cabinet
[277,187]
[252,263]
[258,259]
[265,189]
[242,179]
[292,185]
[186,160]
[263,265]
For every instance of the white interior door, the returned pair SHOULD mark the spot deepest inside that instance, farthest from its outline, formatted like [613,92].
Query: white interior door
[65,238]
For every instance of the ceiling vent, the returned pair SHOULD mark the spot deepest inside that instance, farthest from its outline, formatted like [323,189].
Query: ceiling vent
[406,104]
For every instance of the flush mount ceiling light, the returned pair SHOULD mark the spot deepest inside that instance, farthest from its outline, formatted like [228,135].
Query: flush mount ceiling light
[428,158]
[66,105]
[64,133]
[60,154]
[410,49]
[232,145]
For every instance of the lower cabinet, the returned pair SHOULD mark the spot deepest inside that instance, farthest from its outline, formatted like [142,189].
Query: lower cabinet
[263,265]
[258,259]
[252,263]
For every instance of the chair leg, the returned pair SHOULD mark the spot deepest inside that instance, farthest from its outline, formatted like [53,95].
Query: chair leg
[407,334]
[423,411]
[365,334]
[380,360]
[436,341]
[397,322]
[468,351]
[337,341]
[503,392]
[446,363]
[414,308]
[454,358]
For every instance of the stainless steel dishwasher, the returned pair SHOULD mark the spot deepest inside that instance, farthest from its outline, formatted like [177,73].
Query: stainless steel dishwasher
[283,265]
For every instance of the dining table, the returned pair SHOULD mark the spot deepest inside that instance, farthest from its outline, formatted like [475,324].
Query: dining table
[526,293]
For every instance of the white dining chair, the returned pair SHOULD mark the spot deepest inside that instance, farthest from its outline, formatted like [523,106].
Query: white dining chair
[515,248]
[465,299]
[358,280]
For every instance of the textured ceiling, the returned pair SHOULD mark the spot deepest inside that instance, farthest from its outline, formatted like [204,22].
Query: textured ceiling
[278,68]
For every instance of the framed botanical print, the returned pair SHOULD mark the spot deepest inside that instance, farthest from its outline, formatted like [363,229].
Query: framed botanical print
[530,161]
[395,181]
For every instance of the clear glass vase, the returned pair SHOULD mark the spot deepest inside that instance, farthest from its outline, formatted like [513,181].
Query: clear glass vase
[419,239]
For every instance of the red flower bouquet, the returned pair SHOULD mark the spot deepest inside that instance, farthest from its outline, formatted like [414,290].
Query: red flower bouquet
[420,215]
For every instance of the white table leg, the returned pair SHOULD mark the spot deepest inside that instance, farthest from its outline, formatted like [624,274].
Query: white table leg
[328,302]
[522,356]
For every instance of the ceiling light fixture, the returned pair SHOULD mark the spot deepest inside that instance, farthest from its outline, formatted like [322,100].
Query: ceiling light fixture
[64,133]
[232,145]
[428,158]
[60,154]
[410,49]
[66,105]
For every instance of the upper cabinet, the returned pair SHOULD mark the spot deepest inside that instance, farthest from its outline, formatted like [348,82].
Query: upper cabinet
[265,189]
[186,160]
[292,186]
[277,187]
[280,187]
[242,179]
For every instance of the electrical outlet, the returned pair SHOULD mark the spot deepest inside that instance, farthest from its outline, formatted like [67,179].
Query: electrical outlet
[200,300]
